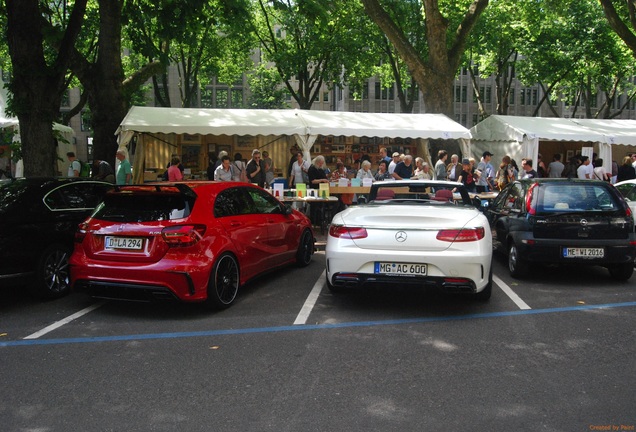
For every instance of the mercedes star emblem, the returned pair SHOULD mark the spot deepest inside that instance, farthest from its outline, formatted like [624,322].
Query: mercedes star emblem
[400,236]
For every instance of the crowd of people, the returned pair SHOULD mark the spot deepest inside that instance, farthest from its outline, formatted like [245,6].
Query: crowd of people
[478,176]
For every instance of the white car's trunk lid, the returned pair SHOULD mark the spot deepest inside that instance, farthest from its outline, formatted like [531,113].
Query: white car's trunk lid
[405,227]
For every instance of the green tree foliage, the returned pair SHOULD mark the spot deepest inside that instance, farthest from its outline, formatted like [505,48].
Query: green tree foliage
[309,42]
[202,38]
[265,89]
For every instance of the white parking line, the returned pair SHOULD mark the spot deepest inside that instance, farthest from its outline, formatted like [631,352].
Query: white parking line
[510,293]
[66,320]
[311,300]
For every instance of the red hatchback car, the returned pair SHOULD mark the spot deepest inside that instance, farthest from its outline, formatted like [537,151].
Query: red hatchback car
[191,241]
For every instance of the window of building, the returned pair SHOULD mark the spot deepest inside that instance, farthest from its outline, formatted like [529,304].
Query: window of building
[464,93]
[522,97]
[221,98]
[475,119]
[206,98]
[325,96]
[535,94]
[237,98]
[511,96]
[85,121]
[488,97]
[66,99]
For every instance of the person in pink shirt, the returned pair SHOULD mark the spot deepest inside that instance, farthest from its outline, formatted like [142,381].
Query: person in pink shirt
[174,173]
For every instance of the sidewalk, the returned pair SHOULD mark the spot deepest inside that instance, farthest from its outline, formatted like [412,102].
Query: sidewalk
[321,239]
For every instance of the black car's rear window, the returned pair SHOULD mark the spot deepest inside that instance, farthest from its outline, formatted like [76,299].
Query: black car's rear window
[567,197]
[144,207]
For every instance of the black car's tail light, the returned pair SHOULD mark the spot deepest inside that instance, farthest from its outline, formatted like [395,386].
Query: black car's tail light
[182,235]
[462,234]
[529,207]
[352,233]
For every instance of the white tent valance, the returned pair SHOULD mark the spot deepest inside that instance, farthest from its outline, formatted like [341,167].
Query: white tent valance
[304,125]
[520,136]
[289,122]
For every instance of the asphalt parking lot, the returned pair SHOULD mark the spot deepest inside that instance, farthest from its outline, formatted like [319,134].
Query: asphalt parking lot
[553,352]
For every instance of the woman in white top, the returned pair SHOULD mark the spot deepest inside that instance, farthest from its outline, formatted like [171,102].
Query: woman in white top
[365,171]
[238,169]
[298,168]
[599,171]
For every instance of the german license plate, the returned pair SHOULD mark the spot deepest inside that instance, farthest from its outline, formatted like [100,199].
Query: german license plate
[130,243]
[400,269]
[583,252]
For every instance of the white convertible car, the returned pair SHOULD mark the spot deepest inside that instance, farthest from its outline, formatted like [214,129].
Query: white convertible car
[420,232]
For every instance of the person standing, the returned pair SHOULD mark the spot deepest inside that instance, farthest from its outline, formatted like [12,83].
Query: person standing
[174,173]
[238,166]
[466,175]
[225,171]
[124,171]
[103,171]
[626,171]
[555,168]
[528,172]
[256,169]
[269,168]
[383,171]
[440,165]
[585,170]
[298,172]
[453,169]
[394,162]
[75,167]
[486,173]
[404,170]
[599,171]
[384,156]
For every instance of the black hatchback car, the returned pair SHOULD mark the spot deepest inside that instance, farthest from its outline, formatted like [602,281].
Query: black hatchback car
[38,220]
[561,221]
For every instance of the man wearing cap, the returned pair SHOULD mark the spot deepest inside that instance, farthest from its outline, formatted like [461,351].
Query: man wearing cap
[486,173]
[394,162]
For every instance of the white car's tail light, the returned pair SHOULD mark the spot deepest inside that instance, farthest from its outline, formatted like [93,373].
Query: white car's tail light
[461,235]
[352,233]
[183,235]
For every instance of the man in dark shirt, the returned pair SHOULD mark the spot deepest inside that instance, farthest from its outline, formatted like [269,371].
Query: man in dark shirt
[404,169]
[528,172]
[256,169]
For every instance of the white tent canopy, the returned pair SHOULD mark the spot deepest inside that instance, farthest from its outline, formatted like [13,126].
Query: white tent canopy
[520,136]
[304,125]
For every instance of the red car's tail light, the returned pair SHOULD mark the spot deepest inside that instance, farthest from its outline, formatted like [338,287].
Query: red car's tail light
[182,235]
[461,235]
[80,233]
[340,231]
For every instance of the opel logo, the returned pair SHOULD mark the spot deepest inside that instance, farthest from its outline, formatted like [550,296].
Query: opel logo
[583,222]
[400,236]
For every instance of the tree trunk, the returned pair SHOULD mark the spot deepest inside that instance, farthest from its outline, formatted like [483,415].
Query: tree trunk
[435,75]
[37,88]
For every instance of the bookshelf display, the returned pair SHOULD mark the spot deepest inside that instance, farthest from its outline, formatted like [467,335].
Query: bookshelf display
[349,149]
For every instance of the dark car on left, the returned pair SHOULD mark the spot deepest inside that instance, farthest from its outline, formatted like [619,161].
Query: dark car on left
[38,220]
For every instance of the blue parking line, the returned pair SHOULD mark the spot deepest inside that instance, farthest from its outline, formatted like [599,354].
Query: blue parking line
[296,328]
